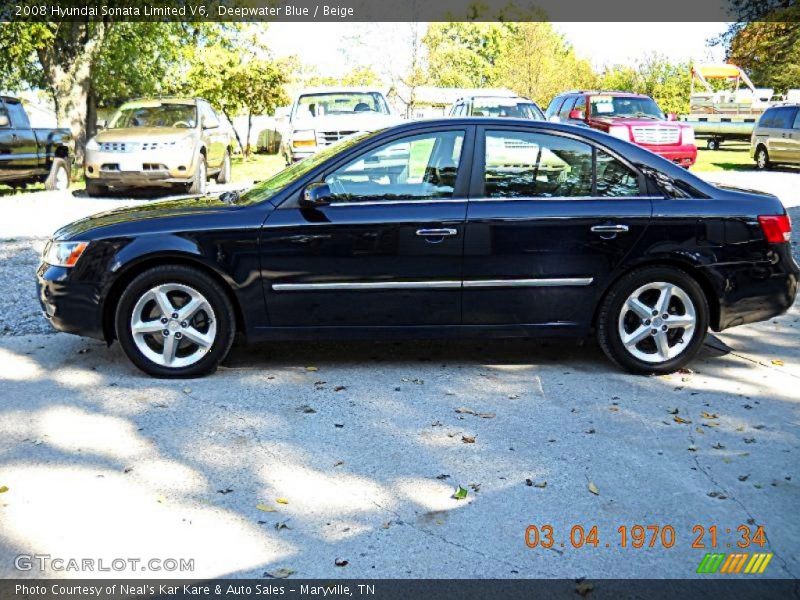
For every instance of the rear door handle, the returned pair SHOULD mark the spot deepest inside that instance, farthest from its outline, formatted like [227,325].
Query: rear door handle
[610,229]
[436,232]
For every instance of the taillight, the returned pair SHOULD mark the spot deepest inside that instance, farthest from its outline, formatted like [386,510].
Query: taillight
[777,228]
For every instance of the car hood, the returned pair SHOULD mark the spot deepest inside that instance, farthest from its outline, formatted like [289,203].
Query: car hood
[117,221]
[366,121]
[143,134]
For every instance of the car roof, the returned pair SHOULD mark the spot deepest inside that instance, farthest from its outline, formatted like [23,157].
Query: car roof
[494,96]
[606,93]
[338,90]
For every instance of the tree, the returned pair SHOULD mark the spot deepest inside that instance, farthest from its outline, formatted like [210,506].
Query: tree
[58,57]
[668,83]
[464,54]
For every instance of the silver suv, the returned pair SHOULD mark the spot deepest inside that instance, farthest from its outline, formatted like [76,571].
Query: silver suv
[776,137]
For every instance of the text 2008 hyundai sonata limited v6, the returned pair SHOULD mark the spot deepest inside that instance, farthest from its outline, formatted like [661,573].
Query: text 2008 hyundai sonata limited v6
[451,227]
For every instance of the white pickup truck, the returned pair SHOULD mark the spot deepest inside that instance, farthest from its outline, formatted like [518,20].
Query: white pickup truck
[320,117]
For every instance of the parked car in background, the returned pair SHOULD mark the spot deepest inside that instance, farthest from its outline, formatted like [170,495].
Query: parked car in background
[632,117]
[320,117]
[32,155]
[776,137]
[167,142]
[450,227]
[496,106]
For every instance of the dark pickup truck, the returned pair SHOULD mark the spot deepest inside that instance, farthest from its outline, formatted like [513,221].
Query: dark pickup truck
[32,155]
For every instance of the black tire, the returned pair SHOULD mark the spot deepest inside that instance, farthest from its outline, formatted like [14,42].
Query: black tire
[224,175]
[197,280]
[95,189]
[59,176]
[608,334]
[713,144]
[200,178]
[762,159]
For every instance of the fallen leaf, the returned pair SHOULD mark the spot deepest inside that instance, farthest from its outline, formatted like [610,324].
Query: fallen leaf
[583,588]
[338,463]
[692,448]
[187,390]
[486,415]
[743,477]
[266,508]
[127,469]
[593,488]
[281,525]
[540,484]
[386,525]
[460,493]
[443,476]
[465,411]
[749,440]
[311,369]
[282,573]
[513,396]
[777,362]
[340,562]
[468,439]
[339,388]
[707,415]
[700,431]
[613,408]
[282,501]
[718,446]
[225,491]
[529,482]
[306,409]
[678,419]
[672,411]
[3,489]
[476,487]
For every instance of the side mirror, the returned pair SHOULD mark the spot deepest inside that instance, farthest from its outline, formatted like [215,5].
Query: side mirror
[101,124]
[315,195]
[576,114]
[4,121]
[672,117]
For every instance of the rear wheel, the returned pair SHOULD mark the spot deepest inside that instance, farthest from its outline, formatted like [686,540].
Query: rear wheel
[654,320]
[224,175]
[58,179]
[175,321]
[713,143]
[762,159]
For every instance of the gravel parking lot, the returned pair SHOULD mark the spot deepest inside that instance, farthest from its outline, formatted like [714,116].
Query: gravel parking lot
[296,456]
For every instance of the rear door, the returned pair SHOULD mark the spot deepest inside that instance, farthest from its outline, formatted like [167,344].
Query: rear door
[387,251]
[549,220]
[780,133]
[794,150]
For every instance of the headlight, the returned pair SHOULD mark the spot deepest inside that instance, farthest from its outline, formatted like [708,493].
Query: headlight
[620,131]
[687,135]
[304,138]
[92,144]
[63,254]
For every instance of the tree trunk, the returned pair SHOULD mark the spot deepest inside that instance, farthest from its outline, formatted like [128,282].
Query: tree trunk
[249,130]
[67,64]
[235,132]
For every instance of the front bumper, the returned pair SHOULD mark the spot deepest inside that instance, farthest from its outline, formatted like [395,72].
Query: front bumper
[684,155]
[140,168]
[69,306]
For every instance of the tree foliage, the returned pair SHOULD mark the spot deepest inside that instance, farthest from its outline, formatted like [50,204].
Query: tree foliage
[668,83]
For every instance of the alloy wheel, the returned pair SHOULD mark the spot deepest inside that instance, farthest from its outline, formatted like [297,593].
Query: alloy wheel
[173,325]
[657,322]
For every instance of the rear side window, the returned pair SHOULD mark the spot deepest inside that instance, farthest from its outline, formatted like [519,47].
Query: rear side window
[4,120]
[797,120]
[778,118]
[535,165]
[766,119]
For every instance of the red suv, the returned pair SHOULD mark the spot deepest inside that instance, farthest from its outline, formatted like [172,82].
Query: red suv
[632,117]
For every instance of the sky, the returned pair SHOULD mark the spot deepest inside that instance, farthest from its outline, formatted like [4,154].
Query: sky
[334,48]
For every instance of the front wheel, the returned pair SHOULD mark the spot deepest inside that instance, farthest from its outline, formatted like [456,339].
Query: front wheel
[175,321]
[653,321]
[200,180]
[224,175]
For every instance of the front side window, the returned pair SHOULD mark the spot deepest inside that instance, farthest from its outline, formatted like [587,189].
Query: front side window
[4,120]
[420,167]
[783,117]
[563,114]
[797,120]
[535,165]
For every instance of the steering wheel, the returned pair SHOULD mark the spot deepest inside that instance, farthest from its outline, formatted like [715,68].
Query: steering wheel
[182,124]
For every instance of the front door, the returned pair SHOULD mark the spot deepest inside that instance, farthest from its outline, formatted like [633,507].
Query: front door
[387,251]
[544,232]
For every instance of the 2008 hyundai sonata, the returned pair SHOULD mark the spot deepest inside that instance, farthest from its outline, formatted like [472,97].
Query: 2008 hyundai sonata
[441,228]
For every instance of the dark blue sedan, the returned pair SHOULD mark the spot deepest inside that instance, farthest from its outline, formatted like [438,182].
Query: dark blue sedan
[456,227]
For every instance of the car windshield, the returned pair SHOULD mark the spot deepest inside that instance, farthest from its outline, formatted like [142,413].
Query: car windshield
[340,103]
[625,106]
[155,115]
[268,188]
[501,107]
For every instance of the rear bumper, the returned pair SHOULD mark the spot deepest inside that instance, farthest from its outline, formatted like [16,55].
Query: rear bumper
[755,292]
[684,155]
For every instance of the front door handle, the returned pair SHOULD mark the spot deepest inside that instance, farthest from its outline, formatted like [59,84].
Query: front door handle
[610,229]
[436,232]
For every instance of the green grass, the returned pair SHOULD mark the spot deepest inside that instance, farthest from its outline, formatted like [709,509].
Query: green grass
[258,168]
[732,156]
